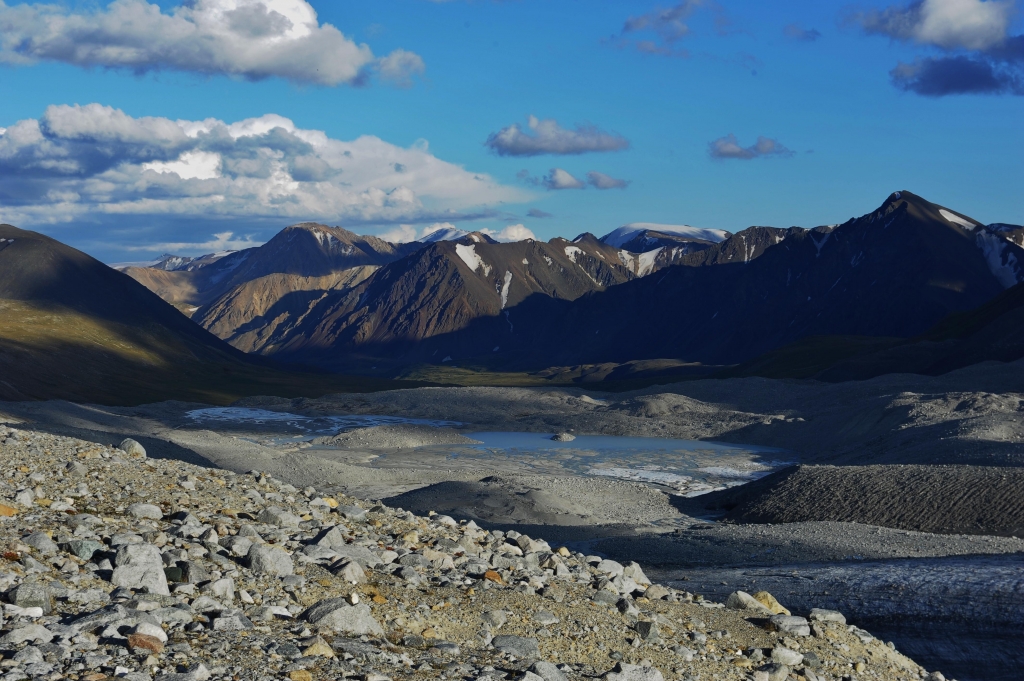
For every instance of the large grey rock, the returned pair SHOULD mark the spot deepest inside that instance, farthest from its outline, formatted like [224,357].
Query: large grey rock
[279,517]
[414,560]
[741,600]
[83,548]
[268,560]
[331,537]
[360,554]
[353,513]
[788,624]
[349,571]
[132,448]
[610,567]
[785,656]
[547,671]
[632,672]
[236,546]
[29,632]
[42,543]
[633,571]
[193,572]
[821,615]
[139,566]
[145,511]
[648,631]
[232,621]
[338,615]
[521,647]
[494,618]
[32,596]
[222,589]
[657,592]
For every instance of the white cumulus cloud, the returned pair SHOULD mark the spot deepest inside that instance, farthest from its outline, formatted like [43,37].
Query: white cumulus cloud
[547,137]
[949,24]
[251,39]
[93,160]
[518,232]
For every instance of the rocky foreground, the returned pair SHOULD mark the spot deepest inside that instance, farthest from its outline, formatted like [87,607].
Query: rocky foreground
[120,566]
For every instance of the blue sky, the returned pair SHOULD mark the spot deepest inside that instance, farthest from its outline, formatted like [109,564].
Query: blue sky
[842,123]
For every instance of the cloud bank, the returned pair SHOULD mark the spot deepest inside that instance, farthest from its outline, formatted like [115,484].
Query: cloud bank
[728,147]
[547,137]
[78,162]
[979,56]
[251,39]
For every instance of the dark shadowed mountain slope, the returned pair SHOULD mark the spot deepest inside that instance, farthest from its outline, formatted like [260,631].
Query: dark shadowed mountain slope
[992,332]
[894,272]
[73,328]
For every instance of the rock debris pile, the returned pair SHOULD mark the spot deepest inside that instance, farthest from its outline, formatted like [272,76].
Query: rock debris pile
[119,566]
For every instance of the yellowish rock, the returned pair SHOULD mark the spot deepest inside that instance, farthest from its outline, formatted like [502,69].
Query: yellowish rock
[300,675]
[333,503]
[319,648]
[768,601]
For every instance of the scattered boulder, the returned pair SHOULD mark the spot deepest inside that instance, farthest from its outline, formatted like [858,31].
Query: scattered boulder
[132,448]
[768,601]
[268,560]
[341,617]
[741,600]
[521,647]
[793,626]
[32,596]
[145,511]
[139,566]
[42,543]
[633,672]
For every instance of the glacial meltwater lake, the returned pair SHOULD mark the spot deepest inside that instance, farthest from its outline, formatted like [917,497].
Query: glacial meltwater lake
[683,467]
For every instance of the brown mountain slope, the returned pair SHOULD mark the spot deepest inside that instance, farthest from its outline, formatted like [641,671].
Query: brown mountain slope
[73,328]
[443,289]
[305,250]
[250,314]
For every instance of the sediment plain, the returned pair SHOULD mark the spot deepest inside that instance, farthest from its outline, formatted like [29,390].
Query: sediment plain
[923,589]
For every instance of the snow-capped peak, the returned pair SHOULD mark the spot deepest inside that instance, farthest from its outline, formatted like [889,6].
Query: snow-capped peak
[444,234]
[627,232]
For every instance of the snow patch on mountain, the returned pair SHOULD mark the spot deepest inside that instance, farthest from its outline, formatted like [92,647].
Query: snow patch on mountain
[504,289]
[472,260]
[647,262]
[625,233]
[956,219]
[1001,260]
[627,260]
[573,252]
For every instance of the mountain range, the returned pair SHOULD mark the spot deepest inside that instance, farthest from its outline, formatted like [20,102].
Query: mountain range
[910,286]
